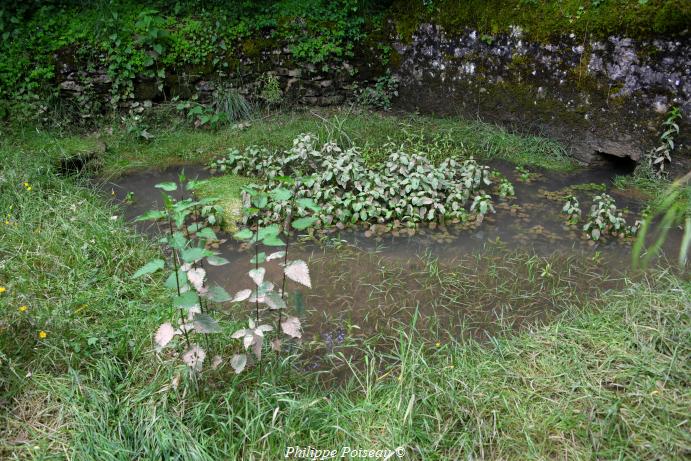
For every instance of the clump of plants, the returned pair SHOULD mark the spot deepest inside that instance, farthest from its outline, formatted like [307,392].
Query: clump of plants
[661,155]
[196,302]
[381,94]
[408,188]
[605,219]
[572,210]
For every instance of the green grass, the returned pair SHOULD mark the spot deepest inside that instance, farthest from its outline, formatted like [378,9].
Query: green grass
[607,379]
[177,144]
[227,189]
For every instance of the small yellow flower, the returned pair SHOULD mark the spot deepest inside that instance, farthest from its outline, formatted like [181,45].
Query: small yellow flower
[42,334]
[23,308]
[437,344]
[3,289]
[26,184]
[28,188]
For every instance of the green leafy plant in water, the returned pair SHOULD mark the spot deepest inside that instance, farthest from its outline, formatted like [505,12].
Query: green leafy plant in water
[523,174]
[572,210]
[187,241]
[506,188]
[605,219]
[265,296]
[408,188]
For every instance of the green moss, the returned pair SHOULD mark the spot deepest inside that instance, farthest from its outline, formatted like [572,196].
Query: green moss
[544,20]
[227,189]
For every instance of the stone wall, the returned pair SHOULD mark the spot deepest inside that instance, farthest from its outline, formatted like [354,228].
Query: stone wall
[301,83]
[599,97]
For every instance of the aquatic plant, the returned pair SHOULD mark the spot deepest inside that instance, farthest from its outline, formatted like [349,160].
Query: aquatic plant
[605,219]
[187,241]
[506,188]
[407,187]
[265,292]
[572,210]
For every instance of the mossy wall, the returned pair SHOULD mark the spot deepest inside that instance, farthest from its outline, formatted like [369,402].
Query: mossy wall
[600,96]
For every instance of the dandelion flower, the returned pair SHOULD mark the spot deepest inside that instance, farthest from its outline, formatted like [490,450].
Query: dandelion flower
[437,344]
[42,334]
[23,308]
[3,289]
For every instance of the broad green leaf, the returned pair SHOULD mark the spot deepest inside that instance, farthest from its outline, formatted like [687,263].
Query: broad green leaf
[204,323]
[298,271]
[164,334]
[291,327]
[217,260]
[257,275]
[308,203]
[274,301]
[272,241]
[150,268]
[151,215]
[304,223]
[207,234]
[186,300]
[218,294]
[192,255]
[260,200]
[276,255]
[244,234]
[259,259]
[169,186]
[195,184]
[177,240]
[268,231]
[172,284]
[238,362]
[281,194]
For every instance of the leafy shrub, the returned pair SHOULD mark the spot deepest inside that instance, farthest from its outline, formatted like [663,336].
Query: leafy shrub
[381,95]
[662,154]
[605,219]
[196,301]
[407,188]
[271,90]
[572,210]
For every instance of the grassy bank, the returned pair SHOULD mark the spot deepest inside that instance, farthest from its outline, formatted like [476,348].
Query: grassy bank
[175,143]
[608,379]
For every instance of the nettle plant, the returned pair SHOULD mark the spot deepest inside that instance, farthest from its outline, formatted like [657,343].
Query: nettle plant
[196,301]
[265,296]
[407,188]
[186,243]
[506,188]
[572,210]
[605,219]
[662,154]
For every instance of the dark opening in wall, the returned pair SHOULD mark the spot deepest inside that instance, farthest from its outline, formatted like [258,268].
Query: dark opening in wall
[617,165]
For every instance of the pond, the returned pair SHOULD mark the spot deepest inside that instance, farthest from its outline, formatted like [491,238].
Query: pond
[519,267]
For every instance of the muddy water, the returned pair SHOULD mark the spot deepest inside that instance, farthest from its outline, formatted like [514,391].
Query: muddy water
[520,266]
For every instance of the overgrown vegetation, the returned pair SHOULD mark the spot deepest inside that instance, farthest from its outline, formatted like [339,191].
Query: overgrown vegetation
[607,379]
[162,43]
[407,189]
